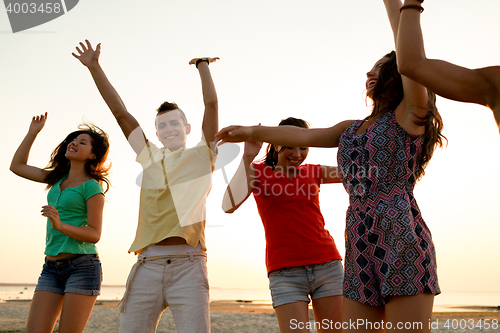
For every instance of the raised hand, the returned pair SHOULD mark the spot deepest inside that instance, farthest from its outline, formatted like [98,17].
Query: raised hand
[87,55]
[210,60]
[252,148]
[37,123]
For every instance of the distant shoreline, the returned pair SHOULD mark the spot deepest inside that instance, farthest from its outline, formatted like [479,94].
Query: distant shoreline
[34,284]
[241,306]
[123,286]
[232,305]
[109,285]
[104,285]
[21,293]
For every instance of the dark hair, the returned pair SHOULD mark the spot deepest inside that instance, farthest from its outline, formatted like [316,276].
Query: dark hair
[388,94]
[272,153]
[167,106]
[388,91]
[59,165]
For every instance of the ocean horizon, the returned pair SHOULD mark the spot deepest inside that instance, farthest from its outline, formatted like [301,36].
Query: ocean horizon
[447,301]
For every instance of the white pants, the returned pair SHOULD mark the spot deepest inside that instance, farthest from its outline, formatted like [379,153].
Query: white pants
[178,283]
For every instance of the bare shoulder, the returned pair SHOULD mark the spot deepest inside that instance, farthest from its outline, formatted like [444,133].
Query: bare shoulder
[492,94]
[492,76]
[490,71]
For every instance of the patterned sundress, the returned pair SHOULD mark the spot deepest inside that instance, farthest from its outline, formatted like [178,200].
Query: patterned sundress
[389,249]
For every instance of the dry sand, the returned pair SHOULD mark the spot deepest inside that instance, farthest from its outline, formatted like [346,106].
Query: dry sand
[227,317]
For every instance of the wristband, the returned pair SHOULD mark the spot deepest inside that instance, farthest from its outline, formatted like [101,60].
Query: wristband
[197,61]
[417,7]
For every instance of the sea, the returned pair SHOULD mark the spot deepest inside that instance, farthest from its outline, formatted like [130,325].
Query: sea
[449,301]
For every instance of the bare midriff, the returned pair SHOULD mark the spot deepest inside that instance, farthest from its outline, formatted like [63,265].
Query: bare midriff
[172,241]
[62,256]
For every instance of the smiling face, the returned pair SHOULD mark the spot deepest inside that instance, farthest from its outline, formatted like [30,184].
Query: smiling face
[80,149]
[171,130]
[372,75]
[292,157]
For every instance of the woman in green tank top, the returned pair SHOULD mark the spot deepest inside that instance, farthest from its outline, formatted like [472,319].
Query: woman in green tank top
[71,276]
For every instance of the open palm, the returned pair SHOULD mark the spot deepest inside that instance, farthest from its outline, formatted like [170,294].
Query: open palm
[252,148]
[37,123]
[86,54]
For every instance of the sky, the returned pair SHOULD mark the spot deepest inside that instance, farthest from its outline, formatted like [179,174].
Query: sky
[306,59]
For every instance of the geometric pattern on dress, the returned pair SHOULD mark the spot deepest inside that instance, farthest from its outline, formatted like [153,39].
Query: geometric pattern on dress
[389,249]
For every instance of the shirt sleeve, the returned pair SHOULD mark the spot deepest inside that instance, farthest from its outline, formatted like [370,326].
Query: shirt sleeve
[206,153]
[149,155]
[92,188]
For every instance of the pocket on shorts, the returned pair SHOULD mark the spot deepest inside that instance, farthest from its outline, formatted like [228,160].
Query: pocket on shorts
[87,264]
[333,263]
[279,272]
[295,272]
[90,268]
[201,262]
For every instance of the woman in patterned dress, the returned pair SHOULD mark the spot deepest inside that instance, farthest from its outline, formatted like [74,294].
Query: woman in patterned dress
[480,86]
[390,267]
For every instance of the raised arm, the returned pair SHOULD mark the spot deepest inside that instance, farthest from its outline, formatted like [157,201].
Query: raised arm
[244,181]
[90,58]
[291,136]
[415,102]
[392,9]
[19,164]
[444,78]
[91,233]
[210,124]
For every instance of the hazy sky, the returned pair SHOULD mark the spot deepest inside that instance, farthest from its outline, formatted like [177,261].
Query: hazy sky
[306,59]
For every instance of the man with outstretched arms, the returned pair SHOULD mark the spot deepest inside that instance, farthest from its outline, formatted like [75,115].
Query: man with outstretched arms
[170,239]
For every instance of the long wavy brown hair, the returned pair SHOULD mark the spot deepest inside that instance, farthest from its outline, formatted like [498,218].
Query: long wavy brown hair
[272,152]
[386,96]
[96,168]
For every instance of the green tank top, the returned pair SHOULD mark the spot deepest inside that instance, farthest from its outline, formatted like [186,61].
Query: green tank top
[72,208]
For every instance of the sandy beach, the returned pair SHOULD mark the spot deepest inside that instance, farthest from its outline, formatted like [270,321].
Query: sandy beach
[237,317]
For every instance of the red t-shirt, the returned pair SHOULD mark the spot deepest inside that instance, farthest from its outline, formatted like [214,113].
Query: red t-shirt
[293,223]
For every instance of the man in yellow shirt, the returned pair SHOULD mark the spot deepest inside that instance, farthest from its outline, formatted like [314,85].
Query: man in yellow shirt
[170,239]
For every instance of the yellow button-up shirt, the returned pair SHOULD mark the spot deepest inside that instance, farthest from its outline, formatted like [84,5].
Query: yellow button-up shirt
[174,189]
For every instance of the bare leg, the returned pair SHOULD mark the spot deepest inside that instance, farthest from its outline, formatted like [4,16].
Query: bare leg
[44,310]
[357,317]
[293,317]
[411,313]
[76,312]
[330,310]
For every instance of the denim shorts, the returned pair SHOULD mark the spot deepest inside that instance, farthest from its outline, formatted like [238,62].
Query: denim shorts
[303,283]
[81,274]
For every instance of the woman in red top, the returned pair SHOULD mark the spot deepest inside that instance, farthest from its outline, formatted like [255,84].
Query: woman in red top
[303,263]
